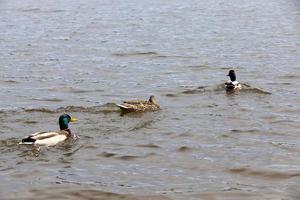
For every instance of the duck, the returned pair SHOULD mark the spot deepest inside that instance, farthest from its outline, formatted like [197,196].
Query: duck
[51,138]
[139,105]
[233,84]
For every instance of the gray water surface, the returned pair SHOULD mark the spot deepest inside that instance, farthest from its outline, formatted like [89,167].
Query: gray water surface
[80,57]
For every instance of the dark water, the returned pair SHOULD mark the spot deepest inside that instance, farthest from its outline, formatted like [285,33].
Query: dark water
[81,56]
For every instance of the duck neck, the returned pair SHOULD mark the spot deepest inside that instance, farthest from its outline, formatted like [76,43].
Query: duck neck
[232,77]
[63,126]
[68,130]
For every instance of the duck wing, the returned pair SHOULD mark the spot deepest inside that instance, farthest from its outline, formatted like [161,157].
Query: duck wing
[135,102]
[128,107]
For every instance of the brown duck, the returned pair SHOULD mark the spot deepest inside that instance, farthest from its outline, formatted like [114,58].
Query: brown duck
[139,105]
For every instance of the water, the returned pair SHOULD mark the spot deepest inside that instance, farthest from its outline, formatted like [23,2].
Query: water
[80,57]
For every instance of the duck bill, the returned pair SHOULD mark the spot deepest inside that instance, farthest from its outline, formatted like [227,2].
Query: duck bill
[73,119]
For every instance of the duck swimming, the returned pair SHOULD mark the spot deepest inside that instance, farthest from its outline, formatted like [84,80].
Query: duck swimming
[233,84]
[139,105]
[51,138]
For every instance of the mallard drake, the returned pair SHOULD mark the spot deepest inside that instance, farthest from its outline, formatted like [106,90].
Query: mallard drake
[139,105]
[51,138]
[233,83]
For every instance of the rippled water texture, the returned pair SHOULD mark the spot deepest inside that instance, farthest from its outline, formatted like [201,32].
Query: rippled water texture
[81,57]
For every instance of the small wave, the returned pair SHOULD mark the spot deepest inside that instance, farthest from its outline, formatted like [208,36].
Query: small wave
[286,146]
[70,153]
[9,142]
[142,124]
[245,131]
[30,122]
[65,38]
[149,53]
[184,149]
[265,173]
[228,193]
[280,83]
[38,10]
[48,99]
[148,145]
[250,89]
[123,157]
[8,82]
[197,67]
[76,192]
[106,108]
[94,109]
[127,157]
[106,154]
[246,88]
[194,91]
[171,95]
[12,145]
[290,77]
[175,56]
[225,68]
[131,157]
[43,110]
[203,89]
[79,109]
[74,90]
[31,10]
[53,11]
[85,91]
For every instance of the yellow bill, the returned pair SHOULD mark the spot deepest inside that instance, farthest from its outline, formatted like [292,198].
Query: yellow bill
[73,119]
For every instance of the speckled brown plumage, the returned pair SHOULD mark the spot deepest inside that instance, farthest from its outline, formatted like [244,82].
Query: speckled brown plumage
[139,105]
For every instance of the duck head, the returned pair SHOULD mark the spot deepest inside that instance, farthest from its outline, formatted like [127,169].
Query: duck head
[64,121]
[152,100]
[232,75]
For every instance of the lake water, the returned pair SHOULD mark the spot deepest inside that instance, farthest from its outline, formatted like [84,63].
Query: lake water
[80,57]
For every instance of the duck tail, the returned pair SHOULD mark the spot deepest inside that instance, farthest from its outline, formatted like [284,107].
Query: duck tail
[122,106]
[28,140]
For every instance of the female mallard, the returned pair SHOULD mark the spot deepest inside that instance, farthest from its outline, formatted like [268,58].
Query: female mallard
[232,84]
[51,138]
[139,105]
